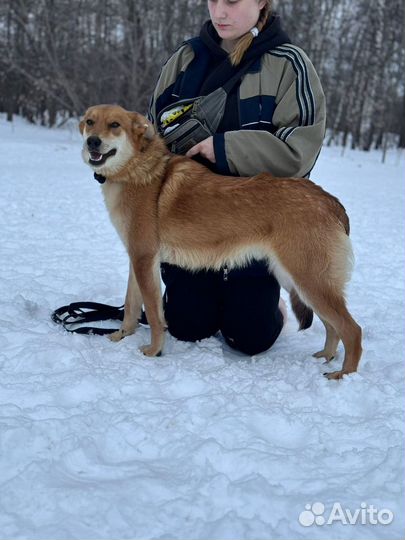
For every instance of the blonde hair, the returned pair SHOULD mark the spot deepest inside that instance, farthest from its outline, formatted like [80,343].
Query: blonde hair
[246,40]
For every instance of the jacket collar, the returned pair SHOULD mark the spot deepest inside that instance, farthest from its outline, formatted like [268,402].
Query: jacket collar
[211,67]
[269,38]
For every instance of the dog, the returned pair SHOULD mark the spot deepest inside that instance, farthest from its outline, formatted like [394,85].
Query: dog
[171,208]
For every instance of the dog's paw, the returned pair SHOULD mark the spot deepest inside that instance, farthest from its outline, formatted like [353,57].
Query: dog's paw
[336,375]
[116,336]
[119,334]
[150,350]
[324,354]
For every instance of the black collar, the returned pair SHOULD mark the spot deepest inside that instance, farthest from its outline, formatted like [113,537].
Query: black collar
[100,178]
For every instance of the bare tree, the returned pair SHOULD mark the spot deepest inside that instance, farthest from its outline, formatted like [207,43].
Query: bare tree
[59,56]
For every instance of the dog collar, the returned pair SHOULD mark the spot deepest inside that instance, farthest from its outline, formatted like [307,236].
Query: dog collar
[100,178]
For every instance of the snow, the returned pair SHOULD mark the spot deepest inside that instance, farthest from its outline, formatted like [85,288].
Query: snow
[99,442]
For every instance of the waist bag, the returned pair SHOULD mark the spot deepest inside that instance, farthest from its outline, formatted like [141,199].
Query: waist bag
[187,122]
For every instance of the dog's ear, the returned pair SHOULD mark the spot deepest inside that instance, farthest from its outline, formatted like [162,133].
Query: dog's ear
[143,129]
[82,122]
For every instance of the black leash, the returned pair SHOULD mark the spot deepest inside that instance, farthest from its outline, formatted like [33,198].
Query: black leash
[86,312]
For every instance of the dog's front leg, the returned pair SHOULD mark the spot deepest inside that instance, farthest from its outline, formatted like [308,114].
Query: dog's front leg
[147,273]
[132,309]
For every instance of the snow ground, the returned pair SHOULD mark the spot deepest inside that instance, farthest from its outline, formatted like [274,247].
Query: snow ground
[100,442]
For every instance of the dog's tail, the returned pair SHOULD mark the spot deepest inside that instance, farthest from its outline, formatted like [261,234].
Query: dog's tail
[304,314]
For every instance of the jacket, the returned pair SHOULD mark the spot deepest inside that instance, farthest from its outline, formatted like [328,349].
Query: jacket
[274,118]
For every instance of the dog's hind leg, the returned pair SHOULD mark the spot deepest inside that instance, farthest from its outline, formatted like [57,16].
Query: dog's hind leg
[350,333]
[132,309]
[331,343]
[330,306]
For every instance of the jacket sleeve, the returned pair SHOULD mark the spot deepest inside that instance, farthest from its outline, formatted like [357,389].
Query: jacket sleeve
[298,124]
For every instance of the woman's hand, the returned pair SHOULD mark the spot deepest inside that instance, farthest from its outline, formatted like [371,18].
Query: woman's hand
[205,148]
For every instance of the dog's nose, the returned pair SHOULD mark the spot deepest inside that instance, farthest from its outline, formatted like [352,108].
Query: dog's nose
[93,142]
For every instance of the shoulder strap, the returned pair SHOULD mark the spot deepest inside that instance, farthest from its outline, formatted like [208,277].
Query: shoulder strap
[238,75]
[210,108]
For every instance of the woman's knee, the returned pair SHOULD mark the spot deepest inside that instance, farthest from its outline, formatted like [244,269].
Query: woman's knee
[191,304]
[187,329]
[249,346]
[256,339]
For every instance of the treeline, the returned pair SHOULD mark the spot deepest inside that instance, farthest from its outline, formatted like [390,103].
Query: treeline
[57,57]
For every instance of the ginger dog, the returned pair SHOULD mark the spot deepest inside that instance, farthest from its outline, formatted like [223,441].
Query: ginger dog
[170,208]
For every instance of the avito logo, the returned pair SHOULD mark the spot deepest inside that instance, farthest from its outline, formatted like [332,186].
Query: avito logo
[314,514]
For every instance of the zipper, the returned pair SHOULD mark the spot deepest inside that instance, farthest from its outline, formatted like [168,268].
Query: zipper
[225,274]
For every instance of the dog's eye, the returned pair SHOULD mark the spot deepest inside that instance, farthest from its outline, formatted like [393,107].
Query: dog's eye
[114,125]
[90,122]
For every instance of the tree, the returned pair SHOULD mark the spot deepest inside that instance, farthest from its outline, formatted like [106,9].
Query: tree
[57,57]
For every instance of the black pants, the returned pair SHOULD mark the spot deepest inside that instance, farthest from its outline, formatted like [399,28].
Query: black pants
[241,303]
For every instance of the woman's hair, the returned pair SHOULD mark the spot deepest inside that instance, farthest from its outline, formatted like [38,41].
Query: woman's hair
[246,40]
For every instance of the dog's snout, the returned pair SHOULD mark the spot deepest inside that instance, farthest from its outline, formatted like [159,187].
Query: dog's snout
[93,142]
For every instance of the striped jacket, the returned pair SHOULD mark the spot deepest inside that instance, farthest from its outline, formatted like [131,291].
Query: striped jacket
[275,122]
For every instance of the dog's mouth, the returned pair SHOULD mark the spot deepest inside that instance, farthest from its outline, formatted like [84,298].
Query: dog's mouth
[96,158]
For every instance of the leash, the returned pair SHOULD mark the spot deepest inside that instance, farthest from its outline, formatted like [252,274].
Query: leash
[87,312]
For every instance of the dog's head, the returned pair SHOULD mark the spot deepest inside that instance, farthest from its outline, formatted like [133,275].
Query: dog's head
[112,136]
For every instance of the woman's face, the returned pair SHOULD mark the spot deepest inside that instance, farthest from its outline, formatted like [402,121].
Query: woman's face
[233,18]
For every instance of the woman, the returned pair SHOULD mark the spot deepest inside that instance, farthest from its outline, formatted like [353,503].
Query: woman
[274,120]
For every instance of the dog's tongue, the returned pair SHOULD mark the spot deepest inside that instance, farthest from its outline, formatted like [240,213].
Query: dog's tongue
[96,156]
